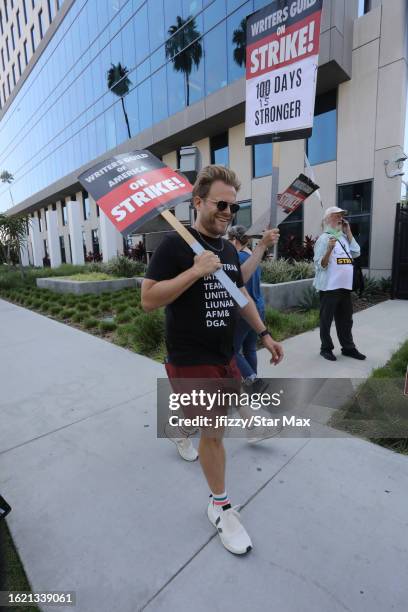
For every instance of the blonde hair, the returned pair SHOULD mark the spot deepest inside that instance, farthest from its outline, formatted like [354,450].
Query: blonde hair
[208,175]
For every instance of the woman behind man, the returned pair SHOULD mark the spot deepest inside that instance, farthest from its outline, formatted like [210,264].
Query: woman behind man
[245,339]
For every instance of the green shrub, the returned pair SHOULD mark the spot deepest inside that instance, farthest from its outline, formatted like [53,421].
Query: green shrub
[310,300]
[45,307]
[148,332]
[124,334]
[119,308]
[77,317]
[69,312]
[124,316]
[107,326]
[124,267]
[90,322]
[55,309]
[282,271]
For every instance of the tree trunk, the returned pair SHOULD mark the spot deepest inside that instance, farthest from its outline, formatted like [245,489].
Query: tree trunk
[187,90]
[126,117]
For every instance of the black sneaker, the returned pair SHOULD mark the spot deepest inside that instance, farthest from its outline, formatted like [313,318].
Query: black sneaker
[328,355]
[353,353]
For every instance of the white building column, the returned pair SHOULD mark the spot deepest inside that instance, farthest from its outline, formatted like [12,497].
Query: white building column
[36,242]
[53,238]
[109,237]
[24,253]
[75,232]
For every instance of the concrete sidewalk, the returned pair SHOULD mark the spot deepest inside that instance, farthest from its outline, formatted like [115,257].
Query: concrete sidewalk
[102,507]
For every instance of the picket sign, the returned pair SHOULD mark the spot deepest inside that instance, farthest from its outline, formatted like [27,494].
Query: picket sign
[282,54]
[223,278]
[135,187]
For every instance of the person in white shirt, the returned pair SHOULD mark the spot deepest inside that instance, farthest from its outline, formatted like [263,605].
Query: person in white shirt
[334,252]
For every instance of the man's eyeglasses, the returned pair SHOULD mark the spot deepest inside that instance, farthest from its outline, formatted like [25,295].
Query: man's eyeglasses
[221,205]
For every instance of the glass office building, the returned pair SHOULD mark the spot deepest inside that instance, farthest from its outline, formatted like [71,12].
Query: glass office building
[108,76]
[175,53]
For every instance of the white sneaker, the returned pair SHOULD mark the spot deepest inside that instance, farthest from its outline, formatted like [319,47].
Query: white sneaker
[231,532]
[184,445]
[257,434]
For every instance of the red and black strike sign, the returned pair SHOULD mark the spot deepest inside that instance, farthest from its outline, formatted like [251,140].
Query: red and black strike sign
[297,192]
[133,188]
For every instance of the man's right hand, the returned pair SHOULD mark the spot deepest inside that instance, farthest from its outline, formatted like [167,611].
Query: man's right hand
[331,244]
[206,263]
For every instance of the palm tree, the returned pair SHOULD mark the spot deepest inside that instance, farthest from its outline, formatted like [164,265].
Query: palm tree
[239,39]
[7,177]
[184,49]
[119,84]
[13,237]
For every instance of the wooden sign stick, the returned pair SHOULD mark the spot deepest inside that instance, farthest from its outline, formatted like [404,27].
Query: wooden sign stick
[223,278]
[273,221]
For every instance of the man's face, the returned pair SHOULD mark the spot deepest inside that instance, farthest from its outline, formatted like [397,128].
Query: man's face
[213,220]
[335,220]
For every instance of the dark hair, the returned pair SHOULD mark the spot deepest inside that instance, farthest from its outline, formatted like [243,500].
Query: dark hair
[208,175]
[239,233]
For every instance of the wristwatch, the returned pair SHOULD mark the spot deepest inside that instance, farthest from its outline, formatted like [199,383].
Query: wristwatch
[263,333]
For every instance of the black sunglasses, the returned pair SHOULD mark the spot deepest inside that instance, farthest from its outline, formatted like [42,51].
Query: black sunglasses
[221,205]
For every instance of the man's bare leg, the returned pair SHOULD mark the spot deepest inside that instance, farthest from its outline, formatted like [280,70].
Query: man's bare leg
[211,454]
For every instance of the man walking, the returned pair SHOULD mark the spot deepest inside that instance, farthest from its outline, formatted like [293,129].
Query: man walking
[335,250]
[200,323]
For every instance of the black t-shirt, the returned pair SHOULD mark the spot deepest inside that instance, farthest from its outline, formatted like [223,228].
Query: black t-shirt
[200,323]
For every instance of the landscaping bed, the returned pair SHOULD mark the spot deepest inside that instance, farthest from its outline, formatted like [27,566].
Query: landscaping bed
[379,410]
[12,574]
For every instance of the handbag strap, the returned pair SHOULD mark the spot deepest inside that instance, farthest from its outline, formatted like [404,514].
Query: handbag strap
[346,252]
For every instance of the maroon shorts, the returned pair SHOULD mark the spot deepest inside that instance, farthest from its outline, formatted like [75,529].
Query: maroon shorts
[208,379]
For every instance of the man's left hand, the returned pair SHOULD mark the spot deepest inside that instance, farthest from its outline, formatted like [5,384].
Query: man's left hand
[270,237]
[274,348]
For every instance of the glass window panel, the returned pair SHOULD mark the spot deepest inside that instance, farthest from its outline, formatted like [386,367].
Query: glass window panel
[177,84]
[172,10]
[262,159]
[234,4]
[128,47]
[322,146]
[355,198]
[100,135]
[144,96]
[191,7]
[244,215]
[219,149]
[116,49]
[125,13]
[215,58]
[156,23]
[121,129]
[132,111]
[196,78]
[236,37]
[143,71]
[141,34]
[158,58]
[213,14]
[260,4]
[159,95]
[92,17]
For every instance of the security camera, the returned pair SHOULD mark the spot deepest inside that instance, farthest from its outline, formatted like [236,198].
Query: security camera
[394,167]
[401,158]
